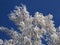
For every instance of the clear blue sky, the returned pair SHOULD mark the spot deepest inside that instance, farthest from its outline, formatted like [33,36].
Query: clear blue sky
[43,6]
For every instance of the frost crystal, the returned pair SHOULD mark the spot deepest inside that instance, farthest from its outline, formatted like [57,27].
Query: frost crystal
[34,29]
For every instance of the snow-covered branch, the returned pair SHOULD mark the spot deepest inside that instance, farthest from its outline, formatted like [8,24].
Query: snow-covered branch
[33,29]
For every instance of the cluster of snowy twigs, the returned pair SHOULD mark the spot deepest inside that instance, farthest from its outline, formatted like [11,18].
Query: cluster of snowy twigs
[33,29]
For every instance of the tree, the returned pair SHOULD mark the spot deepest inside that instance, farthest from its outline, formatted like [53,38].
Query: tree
[33,29]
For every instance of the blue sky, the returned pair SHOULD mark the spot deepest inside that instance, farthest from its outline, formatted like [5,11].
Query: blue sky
[43,6]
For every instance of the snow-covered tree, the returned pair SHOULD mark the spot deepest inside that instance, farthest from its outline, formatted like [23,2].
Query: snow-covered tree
[33,29]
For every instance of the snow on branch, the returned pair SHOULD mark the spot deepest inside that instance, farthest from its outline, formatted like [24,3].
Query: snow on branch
[33,29]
